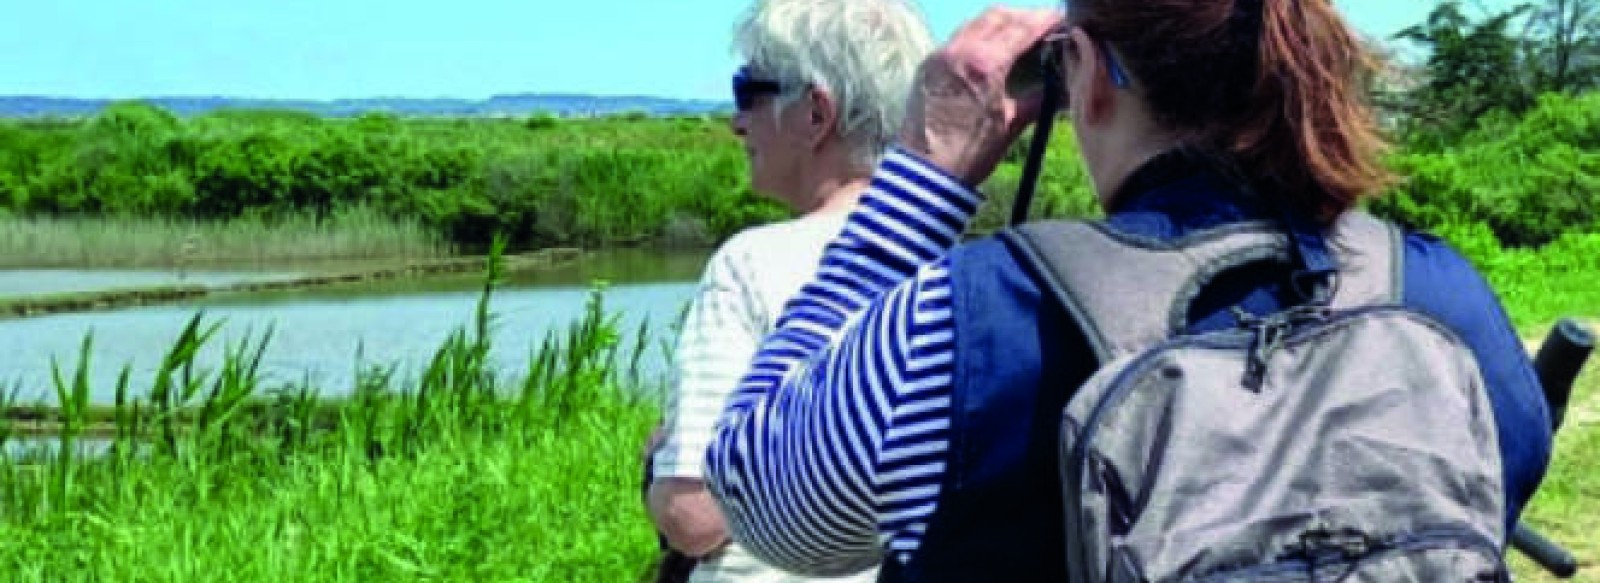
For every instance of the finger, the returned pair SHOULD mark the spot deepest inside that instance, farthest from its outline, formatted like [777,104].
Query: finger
[1024,29]
[1026,109]
[988,47]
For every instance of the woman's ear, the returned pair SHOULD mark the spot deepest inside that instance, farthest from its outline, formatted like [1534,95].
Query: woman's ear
[1088,79]
[823,117]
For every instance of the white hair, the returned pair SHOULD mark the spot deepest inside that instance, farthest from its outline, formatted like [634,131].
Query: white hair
[863,53]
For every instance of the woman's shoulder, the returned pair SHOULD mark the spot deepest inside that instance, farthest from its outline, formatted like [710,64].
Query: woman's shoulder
[1440,280]
[770,251]
[1430,261]
[781,240]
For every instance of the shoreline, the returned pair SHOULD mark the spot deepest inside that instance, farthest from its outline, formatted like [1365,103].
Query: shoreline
[57,303]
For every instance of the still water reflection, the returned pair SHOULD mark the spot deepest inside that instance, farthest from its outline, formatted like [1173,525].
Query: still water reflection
[318,334]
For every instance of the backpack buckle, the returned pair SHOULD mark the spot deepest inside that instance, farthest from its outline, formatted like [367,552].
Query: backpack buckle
[1346,543]
[1315,287]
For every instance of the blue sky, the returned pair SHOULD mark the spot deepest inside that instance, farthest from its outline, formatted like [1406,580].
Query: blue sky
[325,49]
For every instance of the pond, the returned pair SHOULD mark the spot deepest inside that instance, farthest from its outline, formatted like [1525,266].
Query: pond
[322,336]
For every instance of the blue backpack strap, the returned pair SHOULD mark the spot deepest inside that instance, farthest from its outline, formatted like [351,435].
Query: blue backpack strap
[1317,271]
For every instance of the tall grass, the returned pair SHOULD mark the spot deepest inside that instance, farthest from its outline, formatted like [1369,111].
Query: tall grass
[171,243]
[463,474]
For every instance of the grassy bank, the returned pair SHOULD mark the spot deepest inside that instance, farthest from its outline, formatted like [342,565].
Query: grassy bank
[166,243]
[119,298]
[461,475]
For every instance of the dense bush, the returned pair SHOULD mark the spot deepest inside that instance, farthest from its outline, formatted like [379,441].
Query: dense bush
[630,179]
[1528,179]
[540,181]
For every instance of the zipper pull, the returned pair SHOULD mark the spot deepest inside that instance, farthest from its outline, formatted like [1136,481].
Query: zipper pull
[1268,338]
[1270,332]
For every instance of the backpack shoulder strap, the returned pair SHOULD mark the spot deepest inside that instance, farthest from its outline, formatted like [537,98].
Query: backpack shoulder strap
[1371,256]
[1127,292]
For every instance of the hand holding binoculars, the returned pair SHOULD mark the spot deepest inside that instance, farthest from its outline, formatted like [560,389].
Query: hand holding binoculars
[1038,67]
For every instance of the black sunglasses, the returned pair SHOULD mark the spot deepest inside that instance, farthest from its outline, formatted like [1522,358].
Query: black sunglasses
[746,89]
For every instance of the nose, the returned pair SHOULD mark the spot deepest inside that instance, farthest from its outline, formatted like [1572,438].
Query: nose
[739,123]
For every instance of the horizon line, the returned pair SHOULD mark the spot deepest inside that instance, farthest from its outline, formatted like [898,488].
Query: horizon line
[377,97]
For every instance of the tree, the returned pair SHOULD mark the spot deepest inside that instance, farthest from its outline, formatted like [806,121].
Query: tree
[1564,45]
[1472,68]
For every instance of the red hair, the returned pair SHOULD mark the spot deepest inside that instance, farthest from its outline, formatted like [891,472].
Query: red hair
[1274,86]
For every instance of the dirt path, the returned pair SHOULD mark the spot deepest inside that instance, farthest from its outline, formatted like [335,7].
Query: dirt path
[1587,412]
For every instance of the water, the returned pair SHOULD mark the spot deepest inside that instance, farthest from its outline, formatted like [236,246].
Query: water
[318,333]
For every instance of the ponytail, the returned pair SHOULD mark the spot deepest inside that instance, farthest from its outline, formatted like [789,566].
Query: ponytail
[1314,136]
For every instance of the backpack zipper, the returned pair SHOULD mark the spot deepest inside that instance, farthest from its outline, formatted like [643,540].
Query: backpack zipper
[1291,569]
[1269,333]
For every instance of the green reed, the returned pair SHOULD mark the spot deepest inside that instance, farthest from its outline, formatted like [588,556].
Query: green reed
[462,473]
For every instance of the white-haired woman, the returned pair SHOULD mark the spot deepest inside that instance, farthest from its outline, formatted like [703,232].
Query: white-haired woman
[819,99]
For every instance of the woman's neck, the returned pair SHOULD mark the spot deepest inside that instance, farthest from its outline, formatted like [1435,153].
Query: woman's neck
[1155,169]
[836,196]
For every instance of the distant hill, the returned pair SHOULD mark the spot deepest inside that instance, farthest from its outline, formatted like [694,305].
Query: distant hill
[564,105]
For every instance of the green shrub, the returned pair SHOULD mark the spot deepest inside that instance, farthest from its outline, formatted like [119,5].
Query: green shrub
[629,178]
[1530,179]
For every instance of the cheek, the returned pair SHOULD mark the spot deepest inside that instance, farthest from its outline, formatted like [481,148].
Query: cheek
[763,130]
[771,142]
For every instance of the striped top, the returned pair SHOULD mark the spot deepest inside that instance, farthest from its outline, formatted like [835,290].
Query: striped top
[832,450]
[737,302]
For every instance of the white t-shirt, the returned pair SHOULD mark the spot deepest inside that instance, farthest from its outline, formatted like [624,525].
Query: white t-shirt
[741,294]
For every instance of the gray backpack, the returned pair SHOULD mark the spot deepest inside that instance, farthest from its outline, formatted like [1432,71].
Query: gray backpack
[1348,442]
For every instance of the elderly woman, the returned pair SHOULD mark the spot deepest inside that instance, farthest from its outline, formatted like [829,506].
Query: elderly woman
[819,99]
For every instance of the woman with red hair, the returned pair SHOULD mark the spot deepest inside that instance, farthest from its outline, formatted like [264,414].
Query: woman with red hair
[909,405]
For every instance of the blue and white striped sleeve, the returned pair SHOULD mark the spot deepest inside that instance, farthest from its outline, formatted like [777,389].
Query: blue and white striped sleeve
[832,448]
